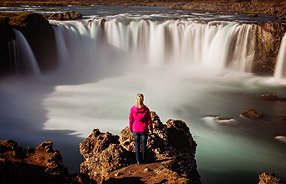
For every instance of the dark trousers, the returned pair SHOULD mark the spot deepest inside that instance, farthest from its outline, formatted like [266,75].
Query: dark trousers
[141,157]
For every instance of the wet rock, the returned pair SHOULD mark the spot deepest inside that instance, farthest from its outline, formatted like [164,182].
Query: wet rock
[265,178]
[281,138]
[70,15]
[220,120]
[270,97]
[252,114]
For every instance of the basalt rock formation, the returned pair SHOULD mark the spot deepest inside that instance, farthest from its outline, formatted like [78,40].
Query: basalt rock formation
[42,164]
[269,36]
[70,15]
[39,34]
[171,148]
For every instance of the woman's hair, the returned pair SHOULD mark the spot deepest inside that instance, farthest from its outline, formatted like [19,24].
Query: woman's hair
[139,100]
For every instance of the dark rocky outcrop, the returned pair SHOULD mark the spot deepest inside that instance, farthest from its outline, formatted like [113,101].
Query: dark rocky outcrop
[269,36]
[70,15]
[265,178]
[252,114]
[7,35]
[171,145]
[103,154]
[270,97]
[39,34]
[42,164]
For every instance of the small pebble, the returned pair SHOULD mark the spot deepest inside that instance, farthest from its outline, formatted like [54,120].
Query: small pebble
[146,169]
[116,174]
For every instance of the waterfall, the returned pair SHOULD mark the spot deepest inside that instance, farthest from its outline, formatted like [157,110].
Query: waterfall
[12,56]
[217,45]
[280,69]
[25,54]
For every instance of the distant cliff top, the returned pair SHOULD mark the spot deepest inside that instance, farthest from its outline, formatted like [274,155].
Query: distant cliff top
[270,7]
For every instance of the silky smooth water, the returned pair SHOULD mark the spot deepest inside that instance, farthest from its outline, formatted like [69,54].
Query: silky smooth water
[102,70]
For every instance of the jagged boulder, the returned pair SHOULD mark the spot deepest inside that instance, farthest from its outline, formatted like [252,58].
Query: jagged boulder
[70,15]
[103,154]
[171,144]
[49,157]
[172,140]
[11,147]
[252,114]
[43,155]
[270,97]
[42,164]
[265,178]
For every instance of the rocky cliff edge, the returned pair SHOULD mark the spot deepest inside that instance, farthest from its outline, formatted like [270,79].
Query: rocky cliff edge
[111,159]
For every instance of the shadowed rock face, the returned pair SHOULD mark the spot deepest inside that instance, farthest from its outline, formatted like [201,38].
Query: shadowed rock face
[7,34]
[103,154]
[42,164]
[43,155]
[39,34]
[269,36]
[171,144]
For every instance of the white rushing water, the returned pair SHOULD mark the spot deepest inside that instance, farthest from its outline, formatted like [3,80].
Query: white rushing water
[25,54]
[186,69]
[280,69]
[215,45]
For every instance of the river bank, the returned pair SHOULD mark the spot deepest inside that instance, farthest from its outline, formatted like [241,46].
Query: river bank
[273,8]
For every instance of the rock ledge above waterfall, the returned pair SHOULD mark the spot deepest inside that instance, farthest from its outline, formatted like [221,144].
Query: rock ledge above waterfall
[70,15]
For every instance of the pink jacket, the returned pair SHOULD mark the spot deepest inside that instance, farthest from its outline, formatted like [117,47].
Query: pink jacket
[139,119]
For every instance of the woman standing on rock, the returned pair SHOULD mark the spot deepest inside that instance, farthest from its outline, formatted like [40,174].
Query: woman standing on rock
[139,120]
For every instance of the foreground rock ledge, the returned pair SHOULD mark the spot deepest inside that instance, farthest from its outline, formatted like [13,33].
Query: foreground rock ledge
[42,164]
[111,159]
